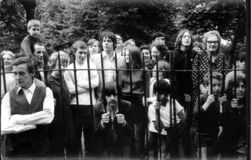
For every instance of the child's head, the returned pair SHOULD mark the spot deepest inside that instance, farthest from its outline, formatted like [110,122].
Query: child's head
[163,89]
[163,68]
[80,50]
[34,26]
[216,85]
[236,83]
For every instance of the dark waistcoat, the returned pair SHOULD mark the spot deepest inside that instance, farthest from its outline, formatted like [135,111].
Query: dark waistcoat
[31,143]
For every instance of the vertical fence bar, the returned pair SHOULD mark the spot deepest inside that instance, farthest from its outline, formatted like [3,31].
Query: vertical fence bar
[4,76]
[117,79]
[248,73]
[75,78]
[1,107]
[158,110]
[61,89]
[199,72]
[45,70]
[146,106]
[103,75]
[133,106]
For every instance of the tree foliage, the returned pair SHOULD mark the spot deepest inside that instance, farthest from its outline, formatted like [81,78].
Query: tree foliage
[228,17]
[69,20]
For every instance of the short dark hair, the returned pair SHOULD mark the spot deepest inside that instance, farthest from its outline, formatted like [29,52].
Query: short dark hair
[145,47]
[164,53]
[241,57]
[158,34]
[162,87]
[110,88]
[25,60]
[109,35]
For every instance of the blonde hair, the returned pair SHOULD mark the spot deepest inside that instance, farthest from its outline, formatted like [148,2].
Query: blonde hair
[9,53]
[54,58]
[33,22]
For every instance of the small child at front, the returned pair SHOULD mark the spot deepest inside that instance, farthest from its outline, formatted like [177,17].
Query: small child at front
[159,120]
[208,110]
[27,45]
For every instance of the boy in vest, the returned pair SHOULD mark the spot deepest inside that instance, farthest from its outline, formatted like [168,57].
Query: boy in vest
[26,109]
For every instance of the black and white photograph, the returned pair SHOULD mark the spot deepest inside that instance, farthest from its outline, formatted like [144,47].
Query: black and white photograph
[125,79]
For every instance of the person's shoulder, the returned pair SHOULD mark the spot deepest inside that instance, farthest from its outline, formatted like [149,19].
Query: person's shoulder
[70,66]
[99,106]
[125,103]
[26,39]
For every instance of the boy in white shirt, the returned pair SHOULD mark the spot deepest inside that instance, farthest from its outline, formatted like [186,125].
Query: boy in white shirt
[159,113]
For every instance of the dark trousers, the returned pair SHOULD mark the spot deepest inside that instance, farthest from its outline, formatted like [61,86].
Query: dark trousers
[83,121]
[139,123]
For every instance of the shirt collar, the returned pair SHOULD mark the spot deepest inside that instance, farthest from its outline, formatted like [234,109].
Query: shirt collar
[105,55]
[31,89]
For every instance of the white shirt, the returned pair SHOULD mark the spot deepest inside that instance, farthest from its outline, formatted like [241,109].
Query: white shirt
[109,66]
[164,115]
[82,82]
[20,123]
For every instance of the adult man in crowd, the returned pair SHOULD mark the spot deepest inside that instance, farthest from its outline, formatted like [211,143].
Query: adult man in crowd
[113,124]
[108,61]
[26,109]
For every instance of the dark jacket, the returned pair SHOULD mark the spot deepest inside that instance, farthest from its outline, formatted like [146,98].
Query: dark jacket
[207,121]
[182,79]
[61,130]
[113,137]
[234,123]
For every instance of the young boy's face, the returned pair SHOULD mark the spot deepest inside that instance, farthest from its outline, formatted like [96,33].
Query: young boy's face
[240,90]
[81,54]
[216,86]
[34,31]
[163,98]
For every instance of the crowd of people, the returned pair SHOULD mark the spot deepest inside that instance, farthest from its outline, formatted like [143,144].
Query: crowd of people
[112,99]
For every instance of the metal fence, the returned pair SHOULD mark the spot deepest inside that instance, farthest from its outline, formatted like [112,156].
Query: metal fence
[172,72]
